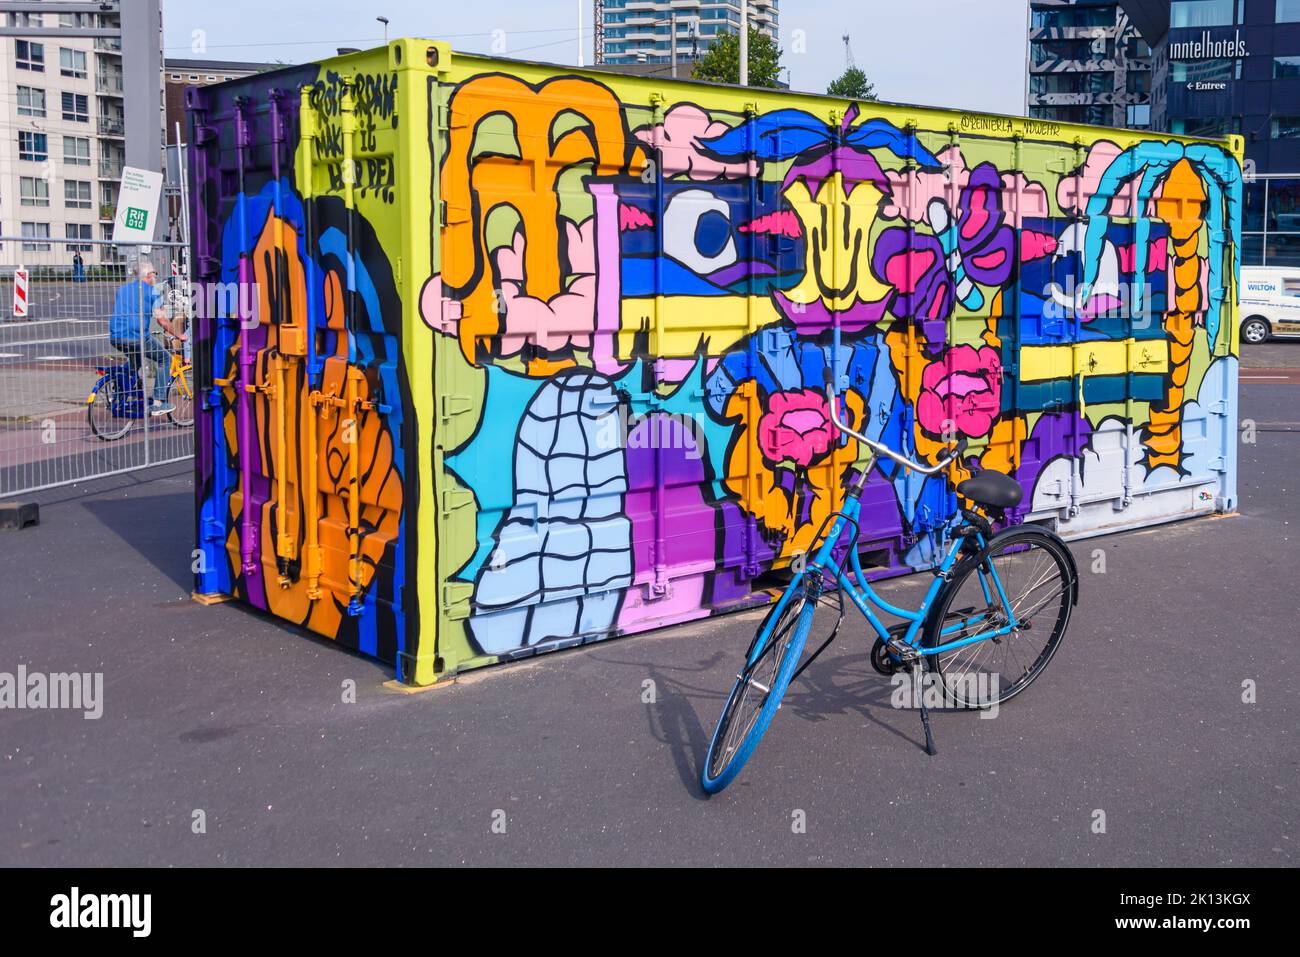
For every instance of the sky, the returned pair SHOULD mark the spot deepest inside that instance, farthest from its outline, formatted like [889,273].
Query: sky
[955,53]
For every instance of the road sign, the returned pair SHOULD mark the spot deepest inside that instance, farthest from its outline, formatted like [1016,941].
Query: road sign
[20,292]
[137,206]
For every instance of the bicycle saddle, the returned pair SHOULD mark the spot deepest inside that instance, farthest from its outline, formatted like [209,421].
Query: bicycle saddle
[992,488]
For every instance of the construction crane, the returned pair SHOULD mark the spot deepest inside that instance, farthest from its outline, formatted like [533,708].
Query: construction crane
[598,31]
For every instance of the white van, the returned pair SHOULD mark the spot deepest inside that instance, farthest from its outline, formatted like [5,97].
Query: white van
[1270,302]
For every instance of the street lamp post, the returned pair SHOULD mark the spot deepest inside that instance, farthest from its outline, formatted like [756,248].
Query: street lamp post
[672,42]
[580,2]
[384,21]
[744,42]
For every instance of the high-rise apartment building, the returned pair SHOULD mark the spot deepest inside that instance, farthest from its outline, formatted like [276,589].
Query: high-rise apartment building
[641,31]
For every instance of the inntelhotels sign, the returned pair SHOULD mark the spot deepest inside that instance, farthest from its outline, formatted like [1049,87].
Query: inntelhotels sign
[1208,48]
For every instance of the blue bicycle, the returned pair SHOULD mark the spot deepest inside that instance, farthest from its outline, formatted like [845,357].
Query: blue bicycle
[989,624]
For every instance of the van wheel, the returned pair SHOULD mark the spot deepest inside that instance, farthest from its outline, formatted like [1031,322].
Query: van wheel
[1255,330]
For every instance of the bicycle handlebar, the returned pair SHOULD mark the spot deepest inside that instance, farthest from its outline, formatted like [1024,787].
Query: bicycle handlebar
[829,378]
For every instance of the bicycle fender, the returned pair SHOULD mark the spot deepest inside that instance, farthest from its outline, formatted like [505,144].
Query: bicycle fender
[94,390]
[1031,529]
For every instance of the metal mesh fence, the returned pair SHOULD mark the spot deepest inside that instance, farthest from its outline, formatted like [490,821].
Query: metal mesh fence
[95,376]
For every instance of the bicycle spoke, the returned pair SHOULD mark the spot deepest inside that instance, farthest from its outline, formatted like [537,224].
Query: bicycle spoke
[753,686]
[1032,581]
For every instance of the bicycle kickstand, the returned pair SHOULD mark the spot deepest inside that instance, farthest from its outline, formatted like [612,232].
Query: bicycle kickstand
[918,670]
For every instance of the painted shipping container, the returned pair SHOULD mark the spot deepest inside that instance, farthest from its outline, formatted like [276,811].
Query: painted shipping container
[499,357]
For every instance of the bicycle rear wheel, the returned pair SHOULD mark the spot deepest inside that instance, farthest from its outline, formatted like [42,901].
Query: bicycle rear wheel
[757,692]
[1040,581]
[102,415]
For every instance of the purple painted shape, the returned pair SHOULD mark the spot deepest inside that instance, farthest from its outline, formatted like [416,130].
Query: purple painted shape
[1054,434]
[738,528]
[681,482]
[913,263]
[256,488]
[685,492]
[988,244]
[936,335]
[740,270]
[814,318]
[854,165]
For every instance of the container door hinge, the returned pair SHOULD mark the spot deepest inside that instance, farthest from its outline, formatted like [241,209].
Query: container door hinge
[456,405]
[449,215]
[452,311]
[1219,464]
[213,530]
[456,498]
[456,599]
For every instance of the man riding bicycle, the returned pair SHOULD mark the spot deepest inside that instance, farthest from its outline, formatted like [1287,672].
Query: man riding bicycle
[138,302]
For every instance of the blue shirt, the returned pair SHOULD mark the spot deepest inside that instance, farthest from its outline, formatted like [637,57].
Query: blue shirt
[133,310]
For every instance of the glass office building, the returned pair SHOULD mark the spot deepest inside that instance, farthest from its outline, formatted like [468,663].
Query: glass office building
[1087,64]
[1233,66]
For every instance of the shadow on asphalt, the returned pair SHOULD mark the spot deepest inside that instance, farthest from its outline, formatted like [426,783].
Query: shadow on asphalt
[149,525]
[677,723]
[848,685]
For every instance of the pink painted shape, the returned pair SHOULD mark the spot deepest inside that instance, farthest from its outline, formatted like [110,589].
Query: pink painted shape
[976,216]
[567,317]
[783,222]
[633,217]
[678,139]
[1035,245]
[904,270]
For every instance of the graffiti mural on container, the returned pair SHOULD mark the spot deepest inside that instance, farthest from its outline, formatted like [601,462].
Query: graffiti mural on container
[702,264]
[303,466]
[612,416]
[309,558]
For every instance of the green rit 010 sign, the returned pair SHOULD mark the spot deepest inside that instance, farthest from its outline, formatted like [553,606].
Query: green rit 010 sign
[136,201]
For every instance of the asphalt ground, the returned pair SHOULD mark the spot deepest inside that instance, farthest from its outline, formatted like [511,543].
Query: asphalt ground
[560,760]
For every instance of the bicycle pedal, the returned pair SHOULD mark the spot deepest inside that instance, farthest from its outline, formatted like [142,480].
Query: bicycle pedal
[901,649]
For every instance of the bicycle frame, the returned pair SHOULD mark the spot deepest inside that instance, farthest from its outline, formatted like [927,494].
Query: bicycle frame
[178,369]
[864,597]
[132,385]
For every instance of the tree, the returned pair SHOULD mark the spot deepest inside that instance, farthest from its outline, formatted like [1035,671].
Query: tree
[852,84]
[721,62]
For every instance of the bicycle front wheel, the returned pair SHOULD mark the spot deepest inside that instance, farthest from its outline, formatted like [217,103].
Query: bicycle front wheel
[1035,572]
[180,396]
[758,691]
